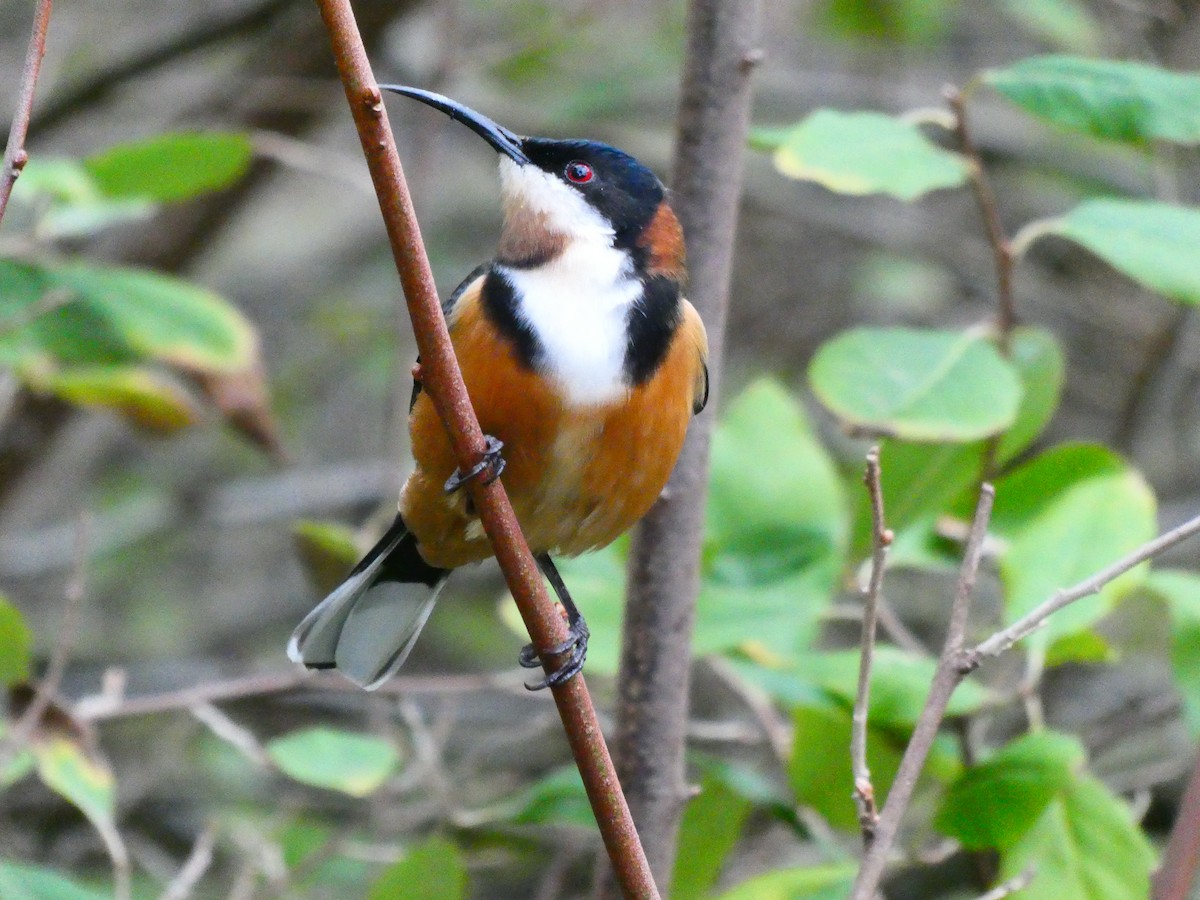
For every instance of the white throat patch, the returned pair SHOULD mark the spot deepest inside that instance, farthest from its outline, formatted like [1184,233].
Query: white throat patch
[528,190]
[578,303]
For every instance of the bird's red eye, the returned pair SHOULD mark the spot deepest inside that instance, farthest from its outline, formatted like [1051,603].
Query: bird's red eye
[579,172]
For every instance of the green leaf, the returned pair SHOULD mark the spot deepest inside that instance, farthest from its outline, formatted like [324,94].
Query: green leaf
[20,881]
[712,823]
[147,398]
[20,765]
[63,180]
[867,153]
[1068,24]
[433,870]
[328,551]
[787,510]
[917,385]
[899,684]
[1153,243]
[781,615]
[1068,528]
[298,841]
[556,799]
[355,764]
[312,854]
[1041,365]
[921,480]
[1081,647]
[69,201]
[1084,846]
[767,138]
[109,315]
[171,167]
[1181,591]
[16,642]
[81,778]
[997,802]
[820,766]
[831,881]
[1029,490]
[1119,101]
[776,530]
[901,21]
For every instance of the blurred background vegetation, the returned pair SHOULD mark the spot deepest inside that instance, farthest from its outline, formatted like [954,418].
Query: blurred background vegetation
[199,486]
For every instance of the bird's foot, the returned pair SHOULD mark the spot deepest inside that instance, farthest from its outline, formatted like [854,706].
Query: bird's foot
[575,646]
[490,465]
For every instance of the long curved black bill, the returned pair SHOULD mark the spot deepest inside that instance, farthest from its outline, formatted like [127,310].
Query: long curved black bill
[503,140]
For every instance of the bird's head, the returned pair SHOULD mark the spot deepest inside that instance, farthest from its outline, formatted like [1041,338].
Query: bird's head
[557,192]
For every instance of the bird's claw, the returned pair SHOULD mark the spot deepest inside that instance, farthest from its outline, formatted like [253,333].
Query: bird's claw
[490,465]
[575,645]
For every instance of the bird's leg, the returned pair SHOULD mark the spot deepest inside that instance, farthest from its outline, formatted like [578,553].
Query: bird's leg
[576,644]
[490,465]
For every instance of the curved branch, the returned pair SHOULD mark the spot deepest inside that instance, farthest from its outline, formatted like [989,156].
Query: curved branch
[443,381]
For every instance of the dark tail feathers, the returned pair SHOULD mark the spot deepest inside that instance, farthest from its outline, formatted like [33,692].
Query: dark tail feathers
[366,627]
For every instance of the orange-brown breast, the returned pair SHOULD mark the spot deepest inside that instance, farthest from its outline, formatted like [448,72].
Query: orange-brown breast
[577,476]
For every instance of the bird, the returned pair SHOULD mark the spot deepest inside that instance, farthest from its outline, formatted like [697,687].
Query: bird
[585,364]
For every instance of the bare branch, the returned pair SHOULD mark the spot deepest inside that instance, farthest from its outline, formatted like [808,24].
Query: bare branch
[15,155]
[1010,887]
[193,868]
[950,671]
[985,197]
[237,736]
[1026,625]
[47,687]
[114,705]
[881,539]
[443,381]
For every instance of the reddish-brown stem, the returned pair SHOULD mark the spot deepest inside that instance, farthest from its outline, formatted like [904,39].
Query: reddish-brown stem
[1177,874]
[881,539]
[985,197]
[442,379]
[14,153]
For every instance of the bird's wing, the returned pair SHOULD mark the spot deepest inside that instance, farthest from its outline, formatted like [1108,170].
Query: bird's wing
[695,328]
[477,274]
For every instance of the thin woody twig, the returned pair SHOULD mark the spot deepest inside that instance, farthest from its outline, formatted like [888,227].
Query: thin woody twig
[105,706]
[15,155]
[950,672]
[1026,625]
[956,662]
[193,868]
[985,197]
[881,539]
[1011,886]
[443,381]
[47,687]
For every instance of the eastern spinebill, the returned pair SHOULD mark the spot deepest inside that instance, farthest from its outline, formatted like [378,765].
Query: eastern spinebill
[584,363]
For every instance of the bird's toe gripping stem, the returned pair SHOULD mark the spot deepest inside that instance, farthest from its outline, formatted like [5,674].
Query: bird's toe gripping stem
[575,645]
[489,467]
